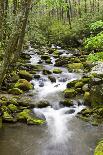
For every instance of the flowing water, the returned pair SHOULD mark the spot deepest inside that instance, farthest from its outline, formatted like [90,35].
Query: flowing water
[64,134]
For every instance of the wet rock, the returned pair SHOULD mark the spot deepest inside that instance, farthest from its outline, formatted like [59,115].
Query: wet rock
[61,62]
[66,103]
[42,104]
[52,78]
[46,72]
[71,111]
[36,76]
[41,83]
[25,75]
[62,79]
[39,114]
[45,57]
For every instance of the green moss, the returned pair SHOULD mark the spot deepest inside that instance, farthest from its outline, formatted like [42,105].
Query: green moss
[69,92]
[23,85]
[87,97]
[25,75]
[75,66]
[15,91]
[12,107]
[57,71]
[79,84]
[30,119]
[7,117]
[99,149]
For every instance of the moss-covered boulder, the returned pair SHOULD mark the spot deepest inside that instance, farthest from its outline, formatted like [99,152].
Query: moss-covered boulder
[57,71]
[7,117]
[27,116]
[12,108]
[61,62]
[45,57]
[66,103]
[69,93]
[42,104]
[71,84]
[25,75]
[46,72]
[52,78]
[87,98]
[23,85]
[79,84]
[97,95]
[75,67]
[48,61]
[99,149]
[15,91]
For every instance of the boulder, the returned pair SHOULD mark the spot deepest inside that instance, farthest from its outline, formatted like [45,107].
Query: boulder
[15,91]
[69,93]
[99,148]
[23,85]
[25,75]
[52,78]
[66,103]
[57,71]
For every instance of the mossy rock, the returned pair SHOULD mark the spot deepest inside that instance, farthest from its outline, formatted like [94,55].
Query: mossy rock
[69,93]
[14,77]
[52,78]
[79,84]
[66,103]
[48,61]
[97,95]
[7,117]
[71,84]
[46,72]
[75,66]
[25,116]
[12,108]
[13,101]
[45,57]
[15,91]
[87,98]
[99,149]
[61,62]
[57,71]
[25,75]
[3,102]
[23,85]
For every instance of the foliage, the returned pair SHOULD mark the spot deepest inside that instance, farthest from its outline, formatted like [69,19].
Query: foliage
[95,57]
[94,42]
[96,25]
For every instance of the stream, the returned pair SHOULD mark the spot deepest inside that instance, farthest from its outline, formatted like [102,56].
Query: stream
[64,134]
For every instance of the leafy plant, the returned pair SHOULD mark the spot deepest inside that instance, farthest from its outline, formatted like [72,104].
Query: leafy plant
[95,57]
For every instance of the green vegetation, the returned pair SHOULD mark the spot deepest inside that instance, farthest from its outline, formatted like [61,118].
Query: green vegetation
[95,57]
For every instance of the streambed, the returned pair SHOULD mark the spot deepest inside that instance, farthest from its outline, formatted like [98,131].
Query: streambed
[64,134]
